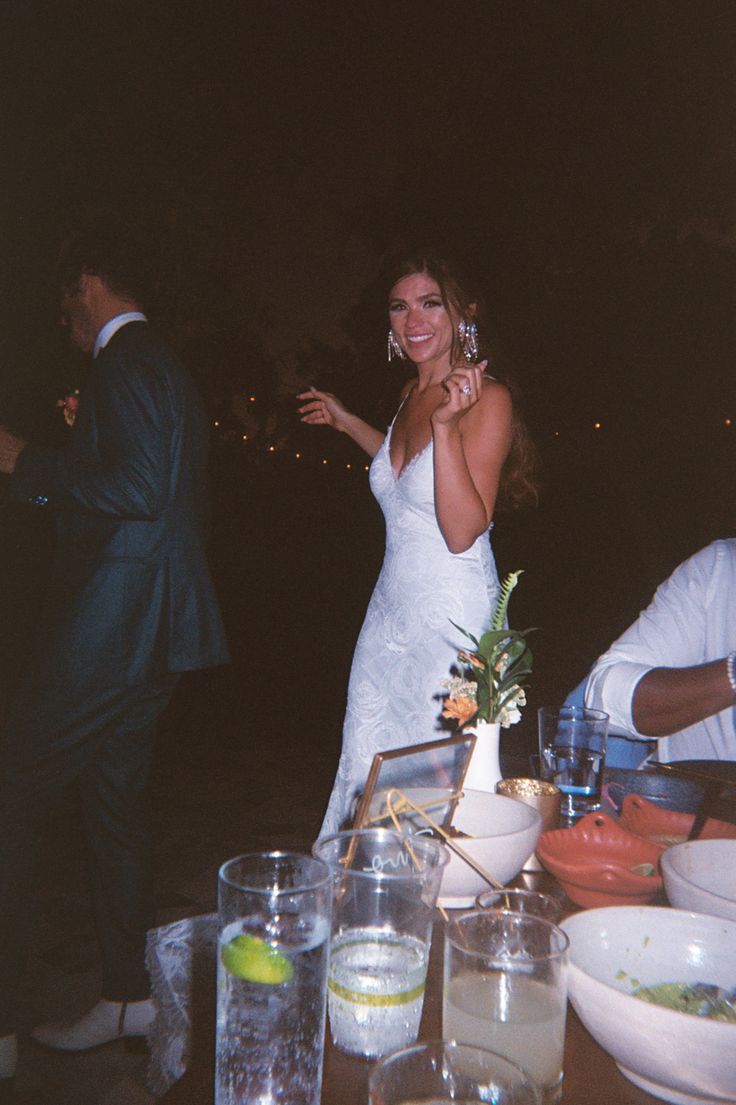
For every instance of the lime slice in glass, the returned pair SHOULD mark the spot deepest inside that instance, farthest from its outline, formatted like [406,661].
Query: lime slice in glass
[254,960]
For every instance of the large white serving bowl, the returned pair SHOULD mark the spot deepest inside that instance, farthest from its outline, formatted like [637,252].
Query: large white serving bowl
[676,1056]
[502,832]
[701,875]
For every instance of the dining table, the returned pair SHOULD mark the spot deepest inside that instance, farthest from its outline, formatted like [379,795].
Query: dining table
[591,1076]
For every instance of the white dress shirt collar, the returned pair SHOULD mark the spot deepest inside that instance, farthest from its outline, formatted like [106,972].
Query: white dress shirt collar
[113,325]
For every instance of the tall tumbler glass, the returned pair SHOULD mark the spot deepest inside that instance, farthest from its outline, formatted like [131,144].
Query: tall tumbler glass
[274,922]
[505,989]
[385,891]
[572,748]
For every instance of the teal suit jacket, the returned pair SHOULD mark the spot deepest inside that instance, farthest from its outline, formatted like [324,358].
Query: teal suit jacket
[131,594]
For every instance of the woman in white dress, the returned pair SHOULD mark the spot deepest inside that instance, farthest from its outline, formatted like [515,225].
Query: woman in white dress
[436,474]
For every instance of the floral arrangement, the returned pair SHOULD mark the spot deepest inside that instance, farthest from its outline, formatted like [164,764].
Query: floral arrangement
[69,405]
[491,686]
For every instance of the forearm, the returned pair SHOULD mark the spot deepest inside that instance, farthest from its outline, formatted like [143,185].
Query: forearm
[667,700]
[137,489]
[367,437]
[460,510]
[322,408]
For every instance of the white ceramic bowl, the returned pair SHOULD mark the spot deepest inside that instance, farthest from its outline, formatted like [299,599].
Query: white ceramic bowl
[676,1056]
[502,833]
[700,875]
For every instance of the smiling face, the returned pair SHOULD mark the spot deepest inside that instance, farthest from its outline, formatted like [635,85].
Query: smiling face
[423,326]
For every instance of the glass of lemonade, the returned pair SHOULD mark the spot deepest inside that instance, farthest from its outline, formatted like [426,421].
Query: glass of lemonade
[385,888]
[505,989]
[447,1073]
[274,927]
[572,749]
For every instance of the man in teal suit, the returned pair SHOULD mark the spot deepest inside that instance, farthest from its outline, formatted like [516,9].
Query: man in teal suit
[131,606]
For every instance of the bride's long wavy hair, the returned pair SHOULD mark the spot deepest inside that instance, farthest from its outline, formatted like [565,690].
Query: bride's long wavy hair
[518,486]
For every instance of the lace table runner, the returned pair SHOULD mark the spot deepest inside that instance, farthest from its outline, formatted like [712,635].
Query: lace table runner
[176,955]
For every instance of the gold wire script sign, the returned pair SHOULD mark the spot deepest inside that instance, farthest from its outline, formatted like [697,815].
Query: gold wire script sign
[396,802]
[431,773]
[416,789]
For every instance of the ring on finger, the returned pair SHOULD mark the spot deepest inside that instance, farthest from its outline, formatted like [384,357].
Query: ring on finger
[466,389]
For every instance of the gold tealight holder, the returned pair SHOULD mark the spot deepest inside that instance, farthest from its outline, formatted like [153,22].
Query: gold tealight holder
[540,795]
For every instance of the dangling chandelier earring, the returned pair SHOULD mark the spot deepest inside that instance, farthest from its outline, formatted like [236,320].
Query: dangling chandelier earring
[468,334]
[393,348]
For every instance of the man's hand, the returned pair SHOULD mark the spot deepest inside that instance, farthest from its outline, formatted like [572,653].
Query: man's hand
[10,449]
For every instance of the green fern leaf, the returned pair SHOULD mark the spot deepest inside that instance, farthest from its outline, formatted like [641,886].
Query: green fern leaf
[499,614]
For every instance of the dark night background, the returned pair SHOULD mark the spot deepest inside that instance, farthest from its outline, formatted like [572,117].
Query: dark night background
[582,155]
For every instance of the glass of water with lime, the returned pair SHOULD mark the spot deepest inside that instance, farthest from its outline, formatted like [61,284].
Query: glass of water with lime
[274,926]
[385,889]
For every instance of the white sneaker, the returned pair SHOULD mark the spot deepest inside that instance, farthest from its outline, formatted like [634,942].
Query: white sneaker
[105,1022]
[8,1055]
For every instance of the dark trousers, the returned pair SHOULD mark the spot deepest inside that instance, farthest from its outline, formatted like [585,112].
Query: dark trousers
[102,740]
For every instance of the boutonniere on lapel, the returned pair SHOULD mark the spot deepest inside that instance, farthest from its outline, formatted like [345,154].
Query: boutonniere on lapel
[69,405]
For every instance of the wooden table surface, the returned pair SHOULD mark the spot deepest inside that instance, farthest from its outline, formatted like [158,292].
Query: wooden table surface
[590,1075]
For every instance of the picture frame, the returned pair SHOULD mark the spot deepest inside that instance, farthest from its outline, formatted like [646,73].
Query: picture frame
[433,772]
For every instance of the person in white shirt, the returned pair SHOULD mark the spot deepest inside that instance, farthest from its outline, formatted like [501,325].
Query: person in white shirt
[671,675]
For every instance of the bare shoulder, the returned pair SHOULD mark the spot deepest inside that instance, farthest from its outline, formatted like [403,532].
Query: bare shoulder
[492,385]
[495,399]
[408,386]
[487,425]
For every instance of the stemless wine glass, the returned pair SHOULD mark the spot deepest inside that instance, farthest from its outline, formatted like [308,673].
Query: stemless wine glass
[516,900]
[447,1073]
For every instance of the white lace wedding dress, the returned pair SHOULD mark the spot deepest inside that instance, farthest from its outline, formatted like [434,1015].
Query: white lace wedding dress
[408,644]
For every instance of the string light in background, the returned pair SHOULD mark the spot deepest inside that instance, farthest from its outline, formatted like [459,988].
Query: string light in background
[351,466]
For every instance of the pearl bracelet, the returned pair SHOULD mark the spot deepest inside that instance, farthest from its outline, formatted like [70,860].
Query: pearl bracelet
[730,662]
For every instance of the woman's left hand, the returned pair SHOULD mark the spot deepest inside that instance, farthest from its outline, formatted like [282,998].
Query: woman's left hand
[462,390]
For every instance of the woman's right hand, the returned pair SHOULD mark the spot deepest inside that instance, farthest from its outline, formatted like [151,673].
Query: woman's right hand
[322,409]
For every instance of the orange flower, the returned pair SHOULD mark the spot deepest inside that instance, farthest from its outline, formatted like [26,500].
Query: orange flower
[69,404]
[462,708]
[471,658]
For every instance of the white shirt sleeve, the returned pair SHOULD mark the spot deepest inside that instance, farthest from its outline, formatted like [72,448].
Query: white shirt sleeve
[670,633]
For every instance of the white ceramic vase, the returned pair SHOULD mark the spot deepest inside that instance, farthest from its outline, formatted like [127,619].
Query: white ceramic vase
[484,770]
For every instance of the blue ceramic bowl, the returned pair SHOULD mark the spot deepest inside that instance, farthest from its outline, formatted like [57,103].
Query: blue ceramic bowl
[719,781]
[668,791]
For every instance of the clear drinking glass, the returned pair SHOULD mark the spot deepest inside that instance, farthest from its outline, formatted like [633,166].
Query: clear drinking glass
[447,1073]
[572,748]
[274,922]
[505,989]
[521,901]
[385,891]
